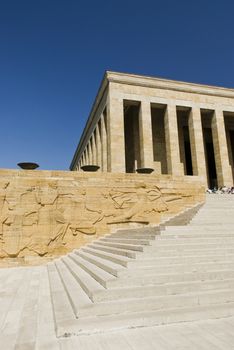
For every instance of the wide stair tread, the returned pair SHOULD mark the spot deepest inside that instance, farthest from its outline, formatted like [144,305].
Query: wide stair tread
[149,318]
[139,277]
[155,259]
[125,241]
[187,250]
[143,277]
[121,260]
[165,289]
[87,283]
[180,240]
[136,236]
[79,300]
[179,268]
[100,275]
[107,265]
[170,300]
[117,251]
[63,311]
[134,247]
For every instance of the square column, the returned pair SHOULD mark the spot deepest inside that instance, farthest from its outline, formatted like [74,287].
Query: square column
[94,150]
[115,135]
[98,144]
[146,142]
[197,143]
[223,168]
[103,135]
[85,156]
[89,153]
[174,165]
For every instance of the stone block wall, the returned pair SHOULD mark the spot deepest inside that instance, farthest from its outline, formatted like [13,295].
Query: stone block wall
[49,213]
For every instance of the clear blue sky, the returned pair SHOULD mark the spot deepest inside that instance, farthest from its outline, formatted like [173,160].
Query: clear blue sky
[53,54]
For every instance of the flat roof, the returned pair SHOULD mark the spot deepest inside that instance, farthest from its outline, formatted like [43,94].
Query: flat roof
[153,82]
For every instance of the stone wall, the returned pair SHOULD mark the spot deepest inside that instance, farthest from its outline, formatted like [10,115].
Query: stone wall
[49,213]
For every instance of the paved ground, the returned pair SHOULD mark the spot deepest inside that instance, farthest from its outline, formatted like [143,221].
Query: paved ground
[27,323]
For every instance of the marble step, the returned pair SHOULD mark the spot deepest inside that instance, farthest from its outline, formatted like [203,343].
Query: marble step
[142,277]
[211,211]
[127,300]
[212,220]
[86,282]
[126,246]
[194,236]
[129,235]
[78,298]
[117,251]
[162,290]
[134,241]
[100,275]
[62,307]
[190,244]
[151,259]
[147,230]
[107,265]
[160,253]
[192,241]
[155,260]
[158,303]
[178,268]
[155,267]
[146,319]
[205,229]
[180,252]
[117,259]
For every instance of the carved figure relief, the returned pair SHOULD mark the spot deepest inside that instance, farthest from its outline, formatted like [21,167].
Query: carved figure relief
[46,216]
[137,205]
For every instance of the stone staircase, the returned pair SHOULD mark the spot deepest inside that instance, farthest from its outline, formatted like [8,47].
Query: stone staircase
[151,276]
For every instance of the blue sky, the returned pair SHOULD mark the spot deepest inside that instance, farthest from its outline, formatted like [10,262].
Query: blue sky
[53,54]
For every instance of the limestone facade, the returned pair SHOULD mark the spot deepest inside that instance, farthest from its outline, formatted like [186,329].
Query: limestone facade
[174,127]
[49,213]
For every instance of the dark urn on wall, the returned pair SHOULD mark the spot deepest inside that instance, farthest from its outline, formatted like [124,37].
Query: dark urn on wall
[144,170]
[28,165]
[90,167]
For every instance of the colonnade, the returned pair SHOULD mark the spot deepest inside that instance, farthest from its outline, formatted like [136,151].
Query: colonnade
[95,151]
[106,146]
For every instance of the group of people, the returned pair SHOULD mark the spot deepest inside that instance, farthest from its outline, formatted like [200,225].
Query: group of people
[221,190]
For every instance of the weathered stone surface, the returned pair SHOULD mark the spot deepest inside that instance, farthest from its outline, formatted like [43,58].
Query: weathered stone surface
[48,213]
[174,127]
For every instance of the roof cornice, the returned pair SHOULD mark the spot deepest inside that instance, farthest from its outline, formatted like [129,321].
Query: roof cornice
[150,82]
[167,84]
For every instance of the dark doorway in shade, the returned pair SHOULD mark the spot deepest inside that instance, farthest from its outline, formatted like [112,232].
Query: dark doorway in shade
[132,136]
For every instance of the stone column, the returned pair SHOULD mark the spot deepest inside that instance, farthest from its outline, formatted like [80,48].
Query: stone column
[94,158]
[89,153]
[146,142]
[174,165]
[197,143]
[115,134]
[85,156]
[99,150]
[104,143]
[223,168]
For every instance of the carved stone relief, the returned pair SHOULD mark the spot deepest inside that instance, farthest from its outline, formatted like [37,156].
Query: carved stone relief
[46,216]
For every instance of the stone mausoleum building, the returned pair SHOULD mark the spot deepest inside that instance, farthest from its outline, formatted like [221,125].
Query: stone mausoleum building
[174,127]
